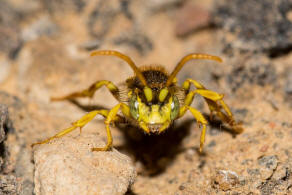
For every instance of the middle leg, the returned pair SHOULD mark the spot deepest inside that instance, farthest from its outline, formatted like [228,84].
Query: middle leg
[215,105]
[112,116]
[89,92]
[200,120]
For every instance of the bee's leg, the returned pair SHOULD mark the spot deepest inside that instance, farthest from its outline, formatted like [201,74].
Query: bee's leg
[203,92]
[198,116]
[90,91]
[80,123]
[112,115]
[200,120]
[215,105]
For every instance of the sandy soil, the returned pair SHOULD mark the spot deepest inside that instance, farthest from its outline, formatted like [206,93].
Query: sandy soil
[44,52]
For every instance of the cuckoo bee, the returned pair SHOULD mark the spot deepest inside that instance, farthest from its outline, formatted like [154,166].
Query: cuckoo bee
[151,100]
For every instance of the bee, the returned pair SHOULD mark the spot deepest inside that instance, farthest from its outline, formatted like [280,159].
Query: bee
[151,100]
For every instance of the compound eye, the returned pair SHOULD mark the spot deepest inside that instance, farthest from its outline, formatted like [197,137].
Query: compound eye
[174,108]
[134,107]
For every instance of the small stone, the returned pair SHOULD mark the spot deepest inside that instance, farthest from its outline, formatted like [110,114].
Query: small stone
[211,144]
[253,172]
[257,70]
[63,6]
[3,121]
[26,7]
[68,166]
[102,17]
[43,26]
[225,179]
[156,5]
[91,45]
[269,32]
[288,83]
[282,172]
[181,187]
[137,40]
[5,68]
[190,18]
[190,154]
[10,40]
[267,166]
[269,162]
[8,184]
[264,148]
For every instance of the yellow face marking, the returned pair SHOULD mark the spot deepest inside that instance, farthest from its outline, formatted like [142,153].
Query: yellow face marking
[148,94]
[154,114]
[162,95]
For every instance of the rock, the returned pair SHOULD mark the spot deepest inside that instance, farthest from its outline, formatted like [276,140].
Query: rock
[268,162]
[257,70]
[191,18]
[269,32]
[138,41]
[43,26]
[282,172]
[5,68]
[267,166]
[8,185]
[225,180]
[16,173]
[10,40]
[3,121]
[26,7]
[280,180]
[157,5]
[288,83]
[100,20]
[63,6]
[90,45]
[68,166]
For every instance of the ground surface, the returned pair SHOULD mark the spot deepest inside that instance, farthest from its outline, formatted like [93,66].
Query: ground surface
[44,51]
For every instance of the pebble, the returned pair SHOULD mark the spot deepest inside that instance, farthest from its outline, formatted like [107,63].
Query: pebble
[156,5]
[225,179]
[43,26]
[288,83]
[191,18]
[68,166]
[3,121]
[267,166]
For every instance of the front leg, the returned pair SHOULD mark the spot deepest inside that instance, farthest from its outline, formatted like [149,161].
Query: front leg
[200,120]
[112,115]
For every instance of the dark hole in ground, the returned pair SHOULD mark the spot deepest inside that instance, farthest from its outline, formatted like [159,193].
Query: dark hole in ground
[130,192]
[278,52]
[155,152]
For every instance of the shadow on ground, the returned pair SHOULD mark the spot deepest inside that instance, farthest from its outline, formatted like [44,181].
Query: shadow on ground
[155,152]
